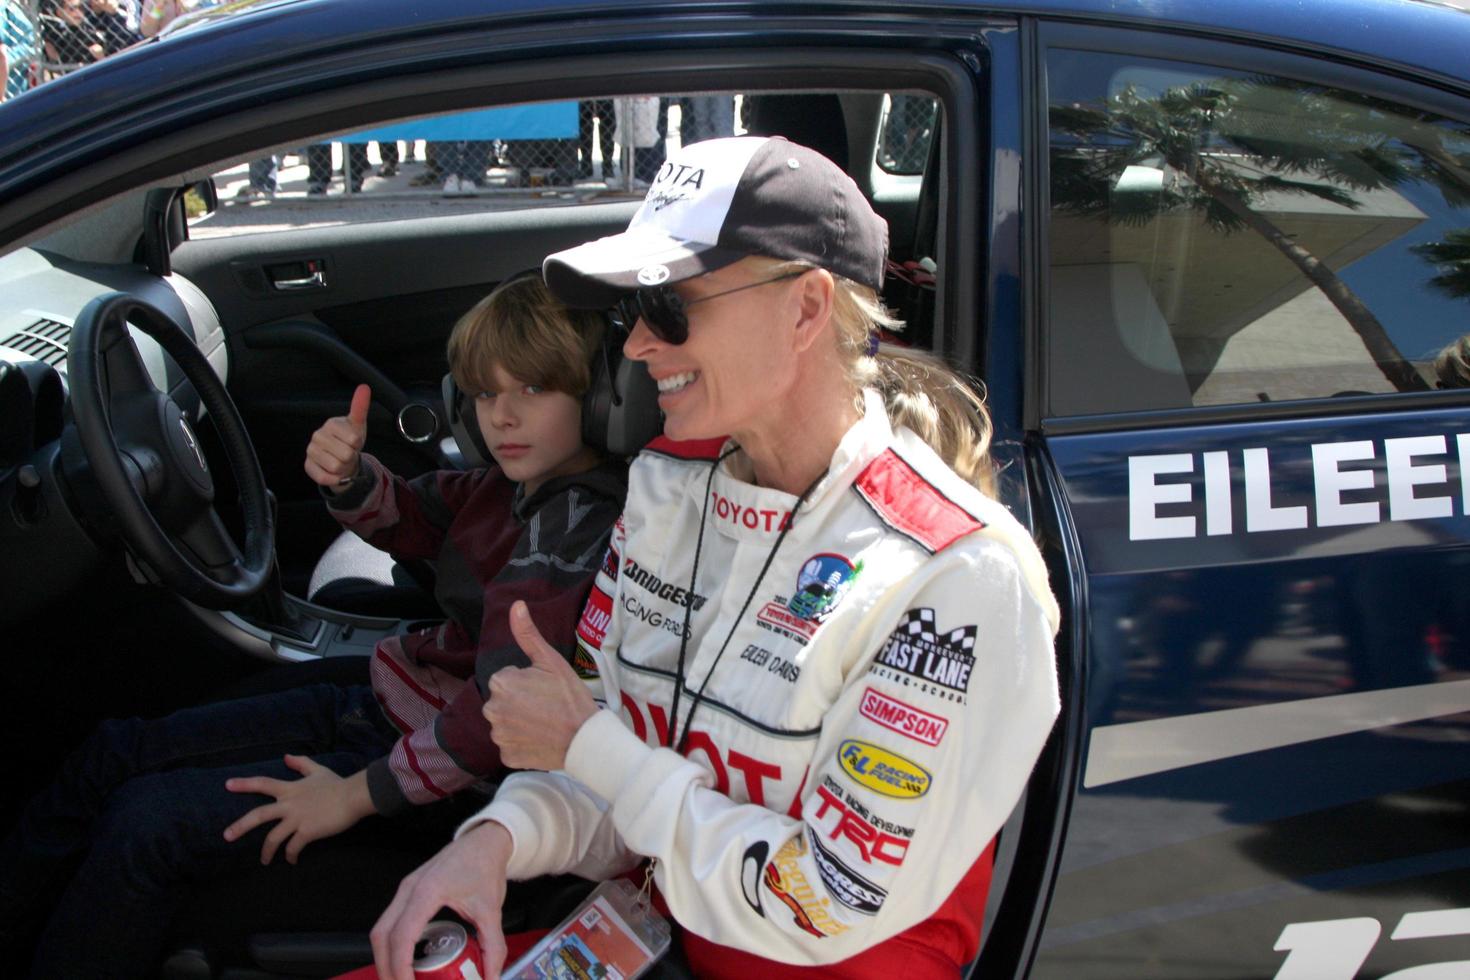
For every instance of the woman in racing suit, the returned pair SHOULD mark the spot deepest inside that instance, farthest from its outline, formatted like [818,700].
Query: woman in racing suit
[823,655]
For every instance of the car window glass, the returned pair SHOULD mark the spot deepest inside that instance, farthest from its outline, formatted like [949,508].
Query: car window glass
[536,155]
[1219,237]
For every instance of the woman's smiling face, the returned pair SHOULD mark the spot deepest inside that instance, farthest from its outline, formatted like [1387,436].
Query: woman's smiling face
[728,375]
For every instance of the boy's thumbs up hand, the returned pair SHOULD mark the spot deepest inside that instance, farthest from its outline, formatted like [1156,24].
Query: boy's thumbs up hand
[357,414]
[334,453]
[534,712]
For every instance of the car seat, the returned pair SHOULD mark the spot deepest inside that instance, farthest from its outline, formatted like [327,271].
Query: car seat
[814,120]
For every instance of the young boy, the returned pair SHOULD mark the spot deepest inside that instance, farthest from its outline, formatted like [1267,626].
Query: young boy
[148,805]
[524,533]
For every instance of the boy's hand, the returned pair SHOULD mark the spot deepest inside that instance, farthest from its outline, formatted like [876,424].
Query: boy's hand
[333,455]
[534,712]
[318,805]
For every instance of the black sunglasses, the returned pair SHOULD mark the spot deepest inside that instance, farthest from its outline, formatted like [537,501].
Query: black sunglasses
[663,309]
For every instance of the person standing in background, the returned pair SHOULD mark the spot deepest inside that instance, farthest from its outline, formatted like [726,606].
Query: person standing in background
[705,117]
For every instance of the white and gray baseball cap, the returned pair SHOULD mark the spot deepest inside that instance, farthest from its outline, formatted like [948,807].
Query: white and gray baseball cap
[720,201]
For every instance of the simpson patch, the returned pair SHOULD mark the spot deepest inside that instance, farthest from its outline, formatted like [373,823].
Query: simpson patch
[895,715]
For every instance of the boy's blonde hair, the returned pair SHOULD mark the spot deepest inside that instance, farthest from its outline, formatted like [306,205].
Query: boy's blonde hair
[530,334]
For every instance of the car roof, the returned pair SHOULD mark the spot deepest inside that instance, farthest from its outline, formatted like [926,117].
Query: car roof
[1414,38]
[1422,38]
[1415,35]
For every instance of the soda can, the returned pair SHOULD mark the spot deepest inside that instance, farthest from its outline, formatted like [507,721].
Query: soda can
[446,951]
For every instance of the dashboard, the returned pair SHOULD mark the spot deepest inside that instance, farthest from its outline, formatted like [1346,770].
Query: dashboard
[46,547]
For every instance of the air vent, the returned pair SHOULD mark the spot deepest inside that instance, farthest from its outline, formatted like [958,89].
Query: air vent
[45,340]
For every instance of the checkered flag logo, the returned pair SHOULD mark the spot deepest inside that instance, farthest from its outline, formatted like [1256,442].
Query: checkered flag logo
[918,624]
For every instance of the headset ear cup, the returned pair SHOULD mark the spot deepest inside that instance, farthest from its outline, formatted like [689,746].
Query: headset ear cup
[597,401]
[620,409]
[465,424]
[459,407]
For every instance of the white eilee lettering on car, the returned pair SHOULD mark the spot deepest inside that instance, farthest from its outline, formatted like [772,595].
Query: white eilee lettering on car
[1346,479]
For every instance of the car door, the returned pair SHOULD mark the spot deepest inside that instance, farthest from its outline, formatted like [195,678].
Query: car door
[1247,272]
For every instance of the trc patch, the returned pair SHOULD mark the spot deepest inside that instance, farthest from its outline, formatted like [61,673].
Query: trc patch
[918,654]
[850,825]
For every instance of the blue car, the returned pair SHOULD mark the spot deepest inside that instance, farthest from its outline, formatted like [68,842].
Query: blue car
[1210,258]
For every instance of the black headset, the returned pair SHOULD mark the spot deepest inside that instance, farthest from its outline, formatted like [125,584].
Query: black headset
[619,409]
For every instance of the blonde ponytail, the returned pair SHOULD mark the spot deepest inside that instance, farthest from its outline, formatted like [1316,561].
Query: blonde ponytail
[1452,365]
[920,391]
[940,406]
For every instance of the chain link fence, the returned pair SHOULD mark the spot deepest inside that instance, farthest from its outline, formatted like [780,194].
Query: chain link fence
[906,133]
[45,39]
[20,45]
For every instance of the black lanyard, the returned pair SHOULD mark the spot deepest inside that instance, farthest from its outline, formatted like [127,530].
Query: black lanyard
[678,744]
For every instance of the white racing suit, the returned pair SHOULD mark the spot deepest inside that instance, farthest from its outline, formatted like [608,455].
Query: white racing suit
[878,704]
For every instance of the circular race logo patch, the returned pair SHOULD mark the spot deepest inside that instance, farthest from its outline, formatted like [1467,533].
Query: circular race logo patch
[821,584]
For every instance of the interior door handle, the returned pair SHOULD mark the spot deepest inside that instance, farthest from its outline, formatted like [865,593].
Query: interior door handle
[314,281]
[294,276]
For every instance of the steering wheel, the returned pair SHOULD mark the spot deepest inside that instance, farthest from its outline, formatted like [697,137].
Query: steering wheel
[137,466]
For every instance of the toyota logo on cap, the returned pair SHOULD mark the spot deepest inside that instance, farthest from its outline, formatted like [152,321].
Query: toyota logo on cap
[653,275]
